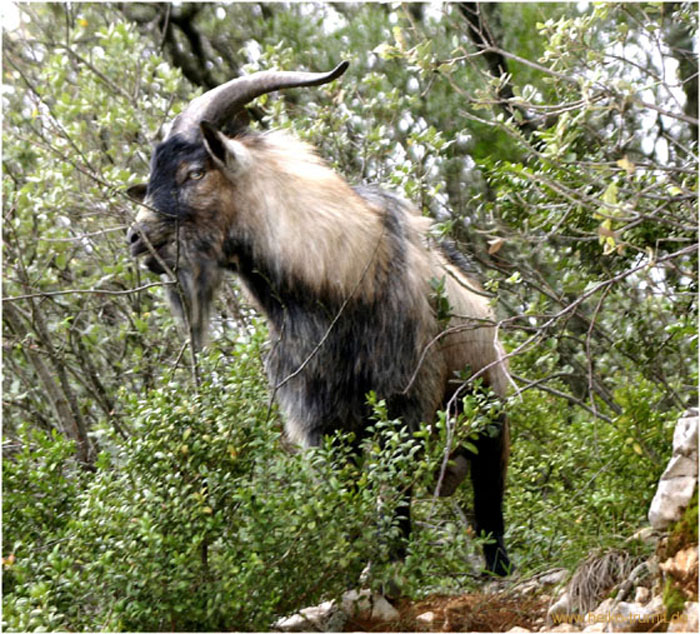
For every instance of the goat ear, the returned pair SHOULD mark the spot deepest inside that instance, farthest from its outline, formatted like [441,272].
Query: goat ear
[227,153]
[213,141]
[137,192]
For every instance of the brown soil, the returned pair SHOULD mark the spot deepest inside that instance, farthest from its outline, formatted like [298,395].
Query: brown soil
[466,613]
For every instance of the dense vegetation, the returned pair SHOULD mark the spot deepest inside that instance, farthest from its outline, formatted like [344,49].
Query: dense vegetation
[555,144]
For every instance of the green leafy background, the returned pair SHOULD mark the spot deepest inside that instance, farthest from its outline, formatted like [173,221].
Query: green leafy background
[135,500]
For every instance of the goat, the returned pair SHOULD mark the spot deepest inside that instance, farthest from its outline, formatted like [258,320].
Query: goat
[343,275]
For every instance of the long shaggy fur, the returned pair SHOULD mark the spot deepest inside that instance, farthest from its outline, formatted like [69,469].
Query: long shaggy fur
[352,268]
[343,275]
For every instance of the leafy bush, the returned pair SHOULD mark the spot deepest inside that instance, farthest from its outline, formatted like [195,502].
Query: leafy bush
[200,520]
[584,228]
[41,486]
[578,483]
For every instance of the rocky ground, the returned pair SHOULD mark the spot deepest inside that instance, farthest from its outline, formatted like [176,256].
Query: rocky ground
[610,591]
[639,603]
[488,611]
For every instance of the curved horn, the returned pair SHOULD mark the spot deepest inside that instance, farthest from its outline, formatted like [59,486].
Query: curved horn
[222,102]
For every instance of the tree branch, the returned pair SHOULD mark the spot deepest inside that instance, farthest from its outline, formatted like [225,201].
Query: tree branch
[496,62]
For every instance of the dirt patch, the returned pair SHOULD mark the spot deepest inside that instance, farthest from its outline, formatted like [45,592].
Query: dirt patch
[468,612]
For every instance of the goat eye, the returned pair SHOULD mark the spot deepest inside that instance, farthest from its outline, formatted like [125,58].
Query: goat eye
[195,175]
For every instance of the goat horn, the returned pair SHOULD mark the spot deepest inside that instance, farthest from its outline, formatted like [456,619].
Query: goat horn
[222,102]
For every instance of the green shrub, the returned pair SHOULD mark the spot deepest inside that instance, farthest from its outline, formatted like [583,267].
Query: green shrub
[201,521]
[577,483]
[40,491]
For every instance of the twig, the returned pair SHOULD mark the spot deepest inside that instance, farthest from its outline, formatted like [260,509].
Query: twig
[551,390]
[84,291]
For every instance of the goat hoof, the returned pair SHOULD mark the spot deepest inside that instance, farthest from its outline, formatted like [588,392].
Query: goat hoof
[497,562]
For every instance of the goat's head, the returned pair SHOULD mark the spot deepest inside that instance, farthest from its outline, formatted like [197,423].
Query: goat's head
[180,228]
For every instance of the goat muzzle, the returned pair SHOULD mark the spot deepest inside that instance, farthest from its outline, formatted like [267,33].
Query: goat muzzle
[141,245]
[134,238]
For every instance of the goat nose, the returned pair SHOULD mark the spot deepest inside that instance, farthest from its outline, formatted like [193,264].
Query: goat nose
[132,235]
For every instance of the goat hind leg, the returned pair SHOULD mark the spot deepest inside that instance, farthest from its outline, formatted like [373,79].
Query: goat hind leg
[488,471]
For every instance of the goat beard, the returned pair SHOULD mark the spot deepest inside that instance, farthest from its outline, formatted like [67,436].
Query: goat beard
[191,296]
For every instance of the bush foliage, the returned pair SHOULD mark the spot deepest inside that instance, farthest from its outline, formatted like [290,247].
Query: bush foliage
[145,490]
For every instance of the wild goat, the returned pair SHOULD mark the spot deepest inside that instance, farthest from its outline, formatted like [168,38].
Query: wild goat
[343,275]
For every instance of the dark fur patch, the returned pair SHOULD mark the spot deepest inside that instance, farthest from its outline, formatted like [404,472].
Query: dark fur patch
[163,189]
[372,345]
[456,257]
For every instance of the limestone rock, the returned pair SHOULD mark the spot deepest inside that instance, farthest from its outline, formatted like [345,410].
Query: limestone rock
[554,576]
[526,588]
[678,481]
[382,610]
[685,435]
[605,607]
[565,627]
[364,604]
[671,497]
[332,617]
[560,608]
[634,617]
[356,603]
[426,618]
[596,627]
[325,617]
[642,595]
[535,585]
[646,535]
[683,566]
[599,619]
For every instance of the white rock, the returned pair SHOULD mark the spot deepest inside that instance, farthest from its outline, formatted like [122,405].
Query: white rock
[336,621]
[364,604]
[561,607]
[657,609]
[382,610]
[623,616]
[517,630]
[646,535]
[426,618]
[565,627]
[325,617]
[527,588]
[685,436]
[356,602]
[626,617]
[600,617]
[294,623]
[680,466]
[605,607]
[671,498]
[596,627]
[642,595]
[553,577]
[678,481]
